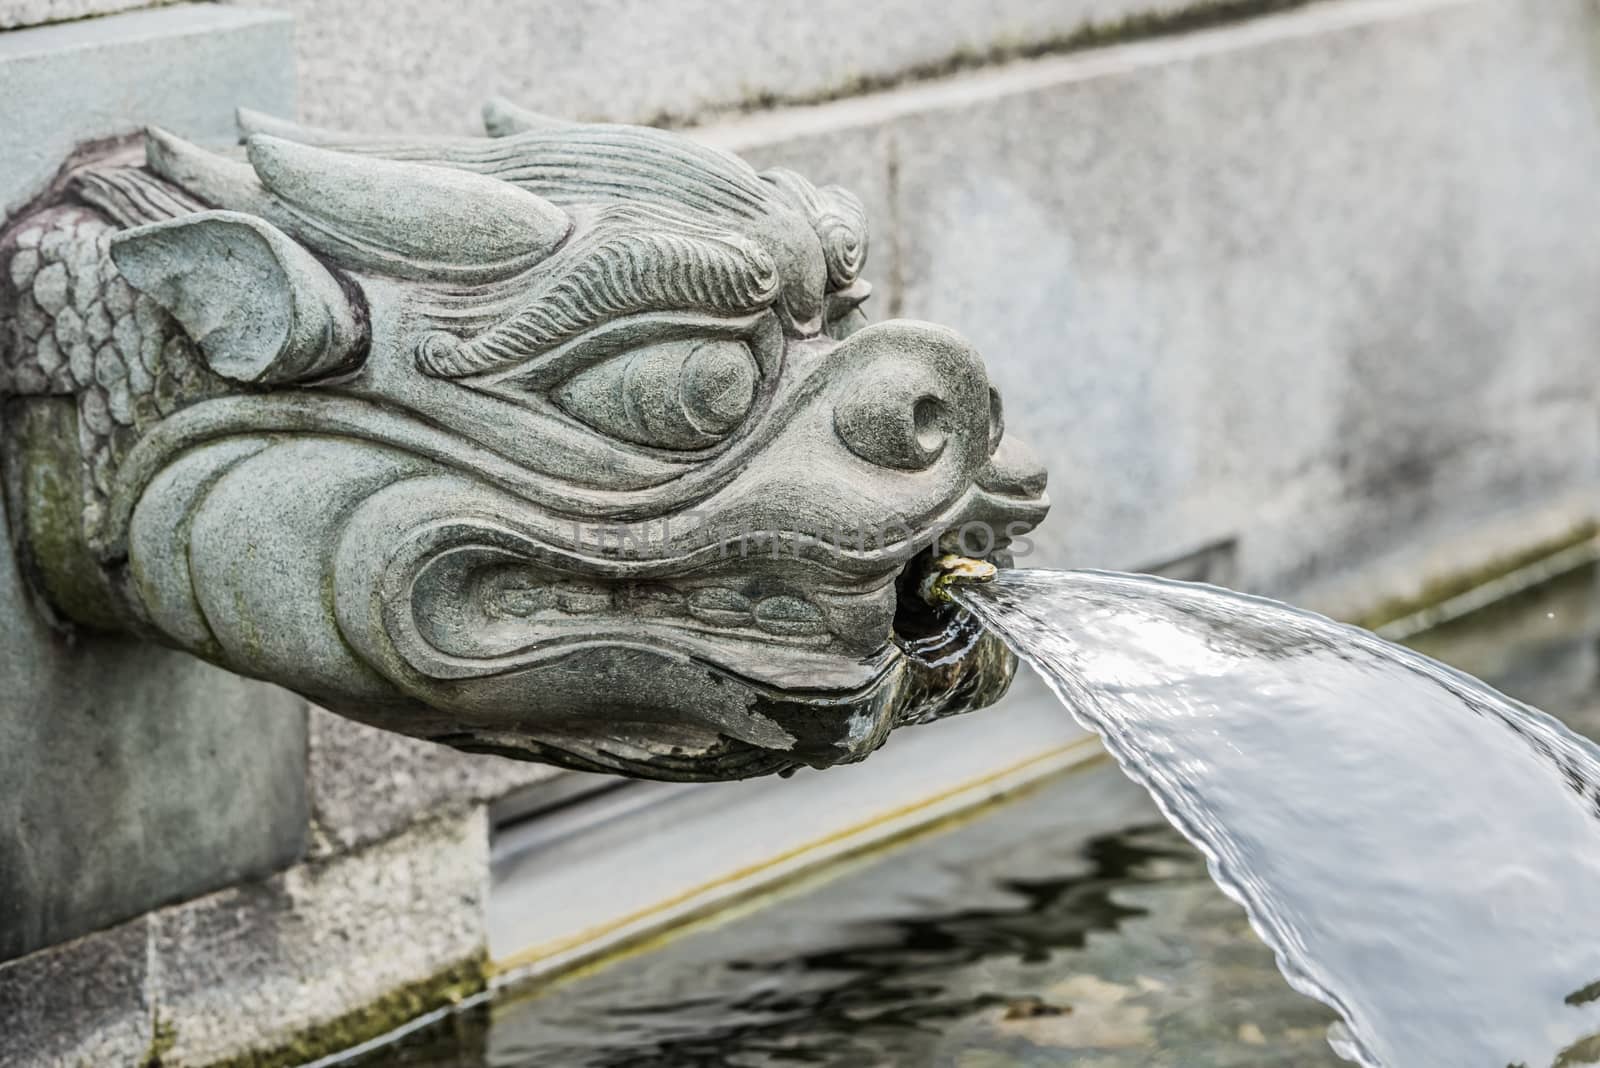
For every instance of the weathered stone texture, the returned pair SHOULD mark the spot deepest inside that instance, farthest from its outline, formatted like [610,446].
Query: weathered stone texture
[256,967]
[661,58]
[1322,281]
[367,784]
[81,1003]
[289,967]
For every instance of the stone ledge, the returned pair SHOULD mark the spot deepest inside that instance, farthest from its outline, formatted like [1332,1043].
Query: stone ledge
[18,13]
[267,974]
[368,784]
[80,1003]
[328,954]
[1417,578]
[663,66]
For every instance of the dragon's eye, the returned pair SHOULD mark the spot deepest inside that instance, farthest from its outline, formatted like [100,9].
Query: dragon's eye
[675,395]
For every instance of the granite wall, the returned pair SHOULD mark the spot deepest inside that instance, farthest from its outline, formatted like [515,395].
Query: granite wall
[676,61]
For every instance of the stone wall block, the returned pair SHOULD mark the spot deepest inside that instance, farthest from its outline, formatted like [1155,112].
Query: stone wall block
[671,59]
[184,67]
[80,1003]
[368,784]
[318,957]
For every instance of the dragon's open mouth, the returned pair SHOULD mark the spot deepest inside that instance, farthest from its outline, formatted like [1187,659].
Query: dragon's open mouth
[928,632]
[803,707]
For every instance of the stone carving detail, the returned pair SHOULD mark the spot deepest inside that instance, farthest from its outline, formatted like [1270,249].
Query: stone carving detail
[569,443]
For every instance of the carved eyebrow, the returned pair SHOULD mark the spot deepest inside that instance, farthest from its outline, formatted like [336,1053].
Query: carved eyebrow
[408,220]
[837,217]
[634,259]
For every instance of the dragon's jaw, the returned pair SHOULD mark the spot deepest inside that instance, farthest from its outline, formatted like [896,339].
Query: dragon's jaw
[712,676]
[962,669]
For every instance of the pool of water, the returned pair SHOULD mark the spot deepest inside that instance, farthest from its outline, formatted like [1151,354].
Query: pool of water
[1068,926]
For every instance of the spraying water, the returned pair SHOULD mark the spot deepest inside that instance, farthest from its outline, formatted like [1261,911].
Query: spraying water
[1421,852]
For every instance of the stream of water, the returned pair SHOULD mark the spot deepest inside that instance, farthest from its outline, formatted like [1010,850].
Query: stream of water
[1420,852]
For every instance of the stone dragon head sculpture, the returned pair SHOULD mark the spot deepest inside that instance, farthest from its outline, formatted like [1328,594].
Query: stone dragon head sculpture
[570,444]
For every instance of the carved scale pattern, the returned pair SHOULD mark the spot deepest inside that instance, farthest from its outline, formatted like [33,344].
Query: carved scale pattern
[76,327]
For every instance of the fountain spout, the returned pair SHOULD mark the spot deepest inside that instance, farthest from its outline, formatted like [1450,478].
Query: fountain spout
[570,444]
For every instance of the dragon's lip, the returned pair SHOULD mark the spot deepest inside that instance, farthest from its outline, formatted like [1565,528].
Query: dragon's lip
[768,609]
[821,709]
[764,664]
[788,631]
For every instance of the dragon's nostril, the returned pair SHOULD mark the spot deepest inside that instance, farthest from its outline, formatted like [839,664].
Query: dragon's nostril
[915,396]
[891,420]
[927,417]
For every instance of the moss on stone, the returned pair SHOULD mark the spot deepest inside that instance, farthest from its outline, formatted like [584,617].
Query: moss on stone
[1445,587]
[447,988]
[163,1037]
[1198,15]
[47,473]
